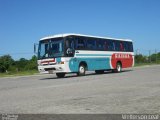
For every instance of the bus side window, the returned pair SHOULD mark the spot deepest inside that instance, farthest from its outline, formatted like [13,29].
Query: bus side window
[113,46]
[100,44]
[126,46]
[106,44]
[121,46]
[130,46]
[80,43]
[117,45]
[110,45]
[91,43]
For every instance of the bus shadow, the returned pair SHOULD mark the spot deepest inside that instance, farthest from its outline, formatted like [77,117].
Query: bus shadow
[87,74]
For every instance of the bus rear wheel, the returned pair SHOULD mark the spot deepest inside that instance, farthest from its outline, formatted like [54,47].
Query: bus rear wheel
[81,70]
[60,75]
[118,68]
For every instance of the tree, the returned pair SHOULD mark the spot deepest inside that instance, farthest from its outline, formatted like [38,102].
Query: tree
[21,64]
[140,58]
[6,61]
[32,64]
[8,64]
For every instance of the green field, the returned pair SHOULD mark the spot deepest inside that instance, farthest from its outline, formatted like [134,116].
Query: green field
[20,73]
[143,64]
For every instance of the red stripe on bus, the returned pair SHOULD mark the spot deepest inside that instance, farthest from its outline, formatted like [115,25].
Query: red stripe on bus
[47,61]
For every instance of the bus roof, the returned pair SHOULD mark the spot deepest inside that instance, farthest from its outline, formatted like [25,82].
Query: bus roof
[69,34]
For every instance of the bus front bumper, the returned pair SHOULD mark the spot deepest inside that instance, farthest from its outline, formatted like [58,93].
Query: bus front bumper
[51,69]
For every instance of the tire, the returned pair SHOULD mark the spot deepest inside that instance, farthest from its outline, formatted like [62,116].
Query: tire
[99,71]
[118,68]
[60,75]
[81,70]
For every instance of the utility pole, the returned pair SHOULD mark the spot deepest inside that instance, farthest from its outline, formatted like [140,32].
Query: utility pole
[150,56]
[136,51]
[156,54]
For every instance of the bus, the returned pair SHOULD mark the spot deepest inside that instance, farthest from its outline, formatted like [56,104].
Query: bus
[77,53]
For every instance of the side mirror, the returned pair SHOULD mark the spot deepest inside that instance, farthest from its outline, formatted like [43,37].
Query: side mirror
[35,48]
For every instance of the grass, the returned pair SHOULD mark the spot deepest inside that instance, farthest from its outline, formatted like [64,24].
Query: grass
[143,64]
[20,73]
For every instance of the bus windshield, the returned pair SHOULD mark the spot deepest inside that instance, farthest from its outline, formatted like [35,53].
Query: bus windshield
[51,48]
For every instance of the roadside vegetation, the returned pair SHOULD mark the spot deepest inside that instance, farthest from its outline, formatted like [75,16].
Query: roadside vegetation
[11,67]
[147,60]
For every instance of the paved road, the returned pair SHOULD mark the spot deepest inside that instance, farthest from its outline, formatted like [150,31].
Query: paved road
[132,91]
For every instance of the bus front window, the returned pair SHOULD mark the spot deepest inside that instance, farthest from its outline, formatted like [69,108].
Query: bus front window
[51,48]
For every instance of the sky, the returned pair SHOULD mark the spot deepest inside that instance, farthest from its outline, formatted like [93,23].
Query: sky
[24,22]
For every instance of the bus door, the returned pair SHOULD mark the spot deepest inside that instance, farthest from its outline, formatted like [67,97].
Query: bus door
[70,46]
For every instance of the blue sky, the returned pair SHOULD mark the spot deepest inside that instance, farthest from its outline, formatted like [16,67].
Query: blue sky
[24,22]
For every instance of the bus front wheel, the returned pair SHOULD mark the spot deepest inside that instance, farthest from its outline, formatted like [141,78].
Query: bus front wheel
[60,75]
[82,70]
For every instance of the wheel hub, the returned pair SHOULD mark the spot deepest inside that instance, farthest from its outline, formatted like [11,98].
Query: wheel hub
[81,69]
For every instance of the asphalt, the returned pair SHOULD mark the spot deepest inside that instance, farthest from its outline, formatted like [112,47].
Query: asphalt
[135,90]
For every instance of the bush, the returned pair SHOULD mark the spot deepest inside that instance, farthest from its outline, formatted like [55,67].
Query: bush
[5,62]
[8,64]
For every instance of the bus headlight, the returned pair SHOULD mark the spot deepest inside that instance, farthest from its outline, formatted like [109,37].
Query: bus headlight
[40,64]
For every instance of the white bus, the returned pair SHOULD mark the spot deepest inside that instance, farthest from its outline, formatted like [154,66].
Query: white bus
[77,53]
